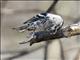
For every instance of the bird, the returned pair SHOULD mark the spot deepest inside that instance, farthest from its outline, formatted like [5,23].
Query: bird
[42,22]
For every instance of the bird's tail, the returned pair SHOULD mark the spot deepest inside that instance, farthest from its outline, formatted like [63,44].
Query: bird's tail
[21,28]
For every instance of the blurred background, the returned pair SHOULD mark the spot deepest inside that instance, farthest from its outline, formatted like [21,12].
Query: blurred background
[14,13]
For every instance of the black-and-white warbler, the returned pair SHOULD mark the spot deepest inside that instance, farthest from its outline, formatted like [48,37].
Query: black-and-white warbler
[42,22]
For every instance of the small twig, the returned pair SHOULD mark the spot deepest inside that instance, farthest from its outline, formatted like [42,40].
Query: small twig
[46,50]
[77,56]
[52,7]
[61,49]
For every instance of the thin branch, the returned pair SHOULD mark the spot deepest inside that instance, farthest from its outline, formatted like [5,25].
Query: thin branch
[77,56]
[61,50]
[46,51]
[52,7]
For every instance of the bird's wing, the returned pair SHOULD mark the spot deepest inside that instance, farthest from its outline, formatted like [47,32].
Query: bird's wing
[33,19]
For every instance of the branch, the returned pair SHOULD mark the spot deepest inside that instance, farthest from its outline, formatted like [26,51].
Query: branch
[68,31]
[72,30]
[52,7]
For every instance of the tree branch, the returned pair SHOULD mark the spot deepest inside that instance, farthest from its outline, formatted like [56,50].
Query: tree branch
[52,7]
[72,30]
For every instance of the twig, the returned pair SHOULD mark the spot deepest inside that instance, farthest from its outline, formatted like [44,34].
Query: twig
[52,7]
[61,50]
[77,56]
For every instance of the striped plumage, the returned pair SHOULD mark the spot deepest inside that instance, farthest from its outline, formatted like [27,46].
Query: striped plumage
[43,21]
